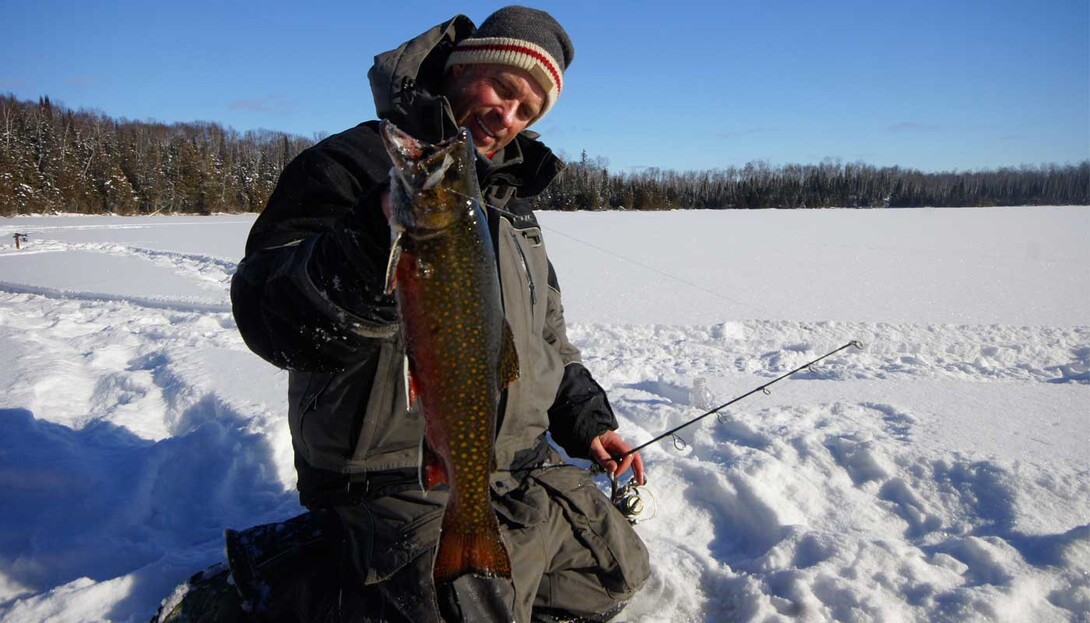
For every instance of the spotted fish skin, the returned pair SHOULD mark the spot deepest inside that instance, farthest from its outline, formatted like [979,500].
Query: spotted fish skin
[459,347]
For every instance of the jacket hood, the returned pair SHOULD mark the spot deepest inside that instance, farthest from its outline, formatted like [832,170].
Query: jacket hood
[406,83]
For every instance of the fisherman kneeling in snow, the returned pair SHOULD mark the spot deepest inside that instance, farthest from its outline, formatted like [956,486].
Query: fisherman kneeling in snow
[310,297]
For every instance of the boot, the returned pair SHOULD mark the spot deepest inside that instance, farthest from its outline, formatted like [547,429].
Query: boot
[208,597]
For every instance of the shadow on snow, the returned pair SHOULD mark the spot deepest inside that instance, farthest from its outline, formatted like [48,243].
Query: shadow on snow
[100,502]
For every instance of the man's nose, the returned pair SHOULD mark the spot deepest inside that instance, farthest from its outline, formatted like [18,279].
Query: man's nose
[509,113]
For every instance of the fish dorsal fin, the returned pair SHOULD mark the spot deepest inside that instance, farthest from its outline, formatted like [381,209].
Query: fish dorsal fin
[509,358]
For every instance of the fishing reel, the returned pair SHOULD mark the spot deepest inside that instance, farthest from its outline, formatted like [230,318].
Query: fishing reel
[629,500]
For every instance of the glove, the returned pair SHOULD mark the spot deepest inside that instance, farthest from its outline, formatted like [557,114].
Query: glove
[475,599]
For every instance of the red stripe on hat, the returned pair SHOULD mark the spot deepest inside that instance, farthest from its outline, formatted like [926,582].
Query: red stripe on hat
[544,60]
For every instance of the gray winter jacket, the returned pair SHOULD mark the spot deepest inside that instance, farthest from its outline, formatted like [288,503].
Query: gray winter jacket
[308,298]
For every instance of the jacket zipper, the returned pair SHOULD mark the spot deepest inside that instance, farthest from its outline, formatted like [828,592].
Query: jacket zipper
[526,269]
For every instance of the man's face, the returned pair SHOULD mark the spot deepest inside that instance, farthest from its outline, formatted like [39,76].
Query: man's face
[494,102]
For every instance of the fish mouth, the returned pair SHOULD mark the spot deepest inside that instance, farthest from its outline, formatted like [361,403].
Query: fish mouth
[430,184]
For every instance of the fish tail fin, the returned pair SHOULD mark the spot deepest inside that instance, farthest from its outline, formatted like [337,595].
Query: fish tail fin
[461,552]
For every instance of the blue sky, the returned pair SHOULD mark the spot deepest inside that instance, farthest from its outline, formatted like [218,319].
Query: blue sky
[934,85]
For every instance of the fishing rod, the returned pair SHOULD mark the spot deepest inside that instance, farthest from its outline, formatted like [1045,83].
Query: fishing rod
[763,388]
[628,497]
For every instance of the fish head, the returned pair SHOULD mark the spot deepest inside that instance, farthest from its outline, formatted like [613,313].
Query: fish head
[431,186]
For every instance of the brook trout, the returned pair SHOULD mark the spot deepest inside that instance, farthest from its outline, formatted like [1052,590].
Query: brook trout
[459,347]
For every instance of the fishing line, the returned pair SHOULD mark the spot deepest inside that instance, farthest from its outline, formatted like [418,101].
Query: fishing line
[652,269]
[657,271]
[623,258]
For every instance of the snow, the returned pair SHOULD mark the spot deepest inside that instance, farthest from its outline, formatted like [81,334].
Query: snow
[941,473]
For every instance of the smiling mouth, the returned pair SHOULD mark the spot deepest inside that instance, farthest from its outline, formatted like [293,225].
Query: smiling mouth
[484,128]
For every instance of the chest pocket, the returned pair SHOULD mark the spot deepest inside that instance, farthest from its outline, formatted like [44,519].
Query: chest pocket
[524,258]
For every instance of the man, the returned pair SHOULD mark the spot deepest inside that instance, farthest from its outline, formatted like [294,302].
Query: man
[309,297]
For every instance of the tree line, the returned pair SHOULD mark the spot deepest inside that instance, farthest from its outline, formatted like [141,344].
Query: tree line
[587,184]
[54,159]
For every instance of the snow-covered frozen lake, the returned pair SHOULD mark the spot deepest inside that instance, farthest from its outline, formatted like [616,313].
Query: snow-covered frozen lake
[941,473]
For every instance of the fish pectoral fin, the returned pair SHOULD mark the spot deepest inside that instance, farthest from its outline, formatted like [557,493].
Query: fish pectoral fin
[432,472]
[391,264]
[509,358]
[411,390]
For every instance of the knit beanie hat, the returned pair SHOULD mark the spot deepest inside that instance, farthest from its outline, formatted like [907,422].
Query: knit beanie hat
[521,37]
